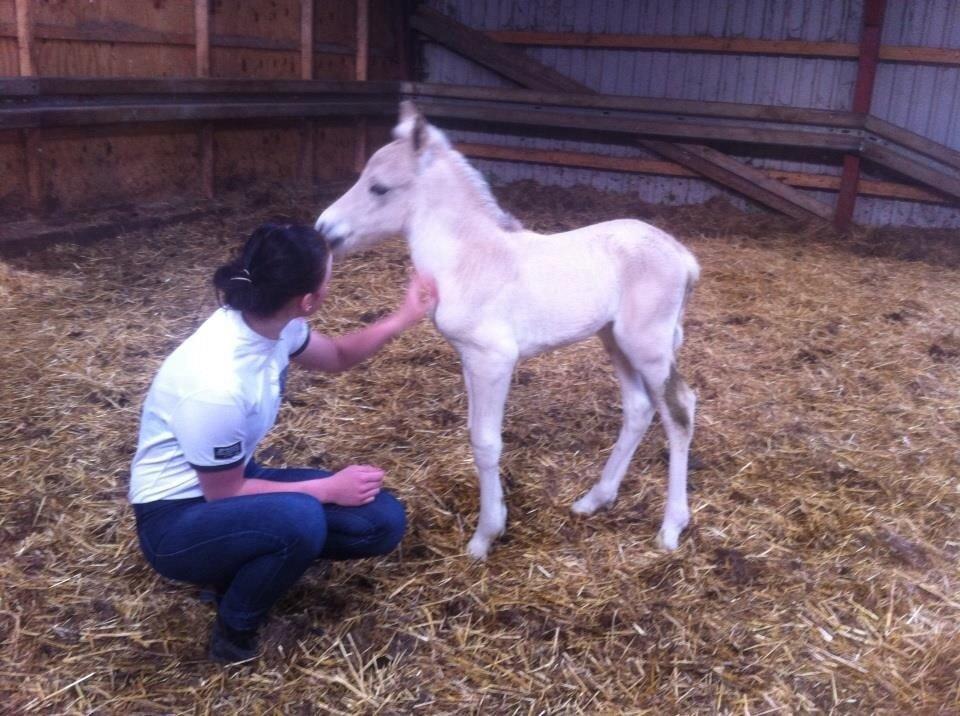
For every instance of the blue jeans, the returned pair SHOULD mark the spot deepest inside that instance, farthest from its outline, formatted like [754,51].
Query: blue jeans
[254,548]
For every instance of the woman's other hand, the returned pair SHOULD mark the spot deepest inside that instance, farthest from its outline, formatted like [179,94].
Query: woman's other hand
[353,485]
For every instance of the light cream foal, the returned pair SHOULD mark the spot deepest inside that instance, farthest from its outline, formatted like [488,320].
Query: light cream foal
[506,293]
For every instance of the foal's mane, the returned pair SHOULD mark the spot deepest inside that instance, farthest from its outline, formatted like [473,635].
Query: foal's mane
[505,220]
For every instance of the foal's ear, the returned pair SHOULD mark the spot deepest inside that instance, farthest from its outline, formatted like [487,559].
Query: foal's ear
[408,110]
[412,124]
[419,133]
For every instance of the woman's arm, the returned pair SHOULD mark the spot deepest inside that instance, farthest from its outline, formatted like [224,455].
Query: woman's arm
[354,485]
[334,355]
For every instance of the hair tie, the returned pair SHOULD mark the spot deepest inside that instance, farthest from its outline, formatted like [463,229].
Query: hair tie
[246,277]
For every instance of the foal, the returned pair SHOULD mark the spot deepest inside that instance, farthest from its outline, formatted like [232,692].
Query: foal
[506,293]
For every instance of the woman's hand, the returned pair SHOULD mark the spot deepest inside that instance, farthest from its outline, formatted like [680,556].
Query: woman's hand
[352,486]
[421,298]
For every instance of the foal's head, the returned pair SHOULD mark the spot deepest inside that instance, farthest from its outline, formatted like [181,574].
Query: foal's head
[378,206]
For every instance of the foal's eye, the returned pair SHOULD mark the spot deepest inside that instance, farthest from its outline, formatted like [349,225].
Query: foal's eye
[379,189]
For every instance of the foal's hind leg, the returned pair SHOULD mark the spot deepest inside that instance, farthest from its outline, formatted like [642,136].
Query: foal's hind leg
[637,414]
[676,403]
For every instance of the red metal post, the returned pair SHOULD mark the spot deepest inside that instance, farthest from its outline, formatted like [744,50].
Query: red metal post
[873,11]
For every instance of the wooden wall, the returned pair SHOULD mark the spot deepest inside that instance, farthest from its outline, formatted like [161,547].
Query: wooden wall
[82,168]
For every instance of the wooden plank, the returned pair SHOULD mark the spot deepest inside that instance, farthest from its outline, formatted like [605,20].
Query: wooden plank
[511,64]
[529,73]
[52,86]
[363,40]
[917,143]
[637,165]
[908,166]
[202,30]
[495,113]
[25,38]
[306,39]
[167,112]
[743,182]
[722,45]
[731,110]
[361,67]
[400,13]
[126,34]
[754,176]
[873,11]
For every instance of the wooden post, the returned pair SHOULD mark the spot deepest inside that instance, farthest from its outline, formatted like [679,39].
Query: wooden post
[25,38]
[306,39]
[202,29]
[362,67]
[308,130]
[202,25]
[30,138]
[401,10]
[873,11]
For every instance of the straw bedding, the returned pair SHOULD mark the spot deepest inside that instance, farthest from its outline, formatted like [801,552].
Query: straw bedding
[820,572]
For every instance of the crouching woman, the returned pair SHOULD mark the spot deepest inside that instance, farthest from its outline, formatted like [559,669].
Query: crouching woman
[206,512]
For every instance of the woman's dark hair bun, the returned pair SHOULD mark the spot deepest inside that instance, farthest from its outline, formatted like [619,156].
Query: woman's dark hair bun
[278,262]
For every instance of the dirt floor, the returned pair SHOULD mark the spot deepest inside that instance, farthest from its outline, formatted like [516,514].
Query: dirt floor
[820,572]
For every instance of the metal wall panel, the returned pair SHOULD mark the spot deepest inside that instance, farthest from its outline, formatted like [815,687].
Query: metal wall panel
[922,98]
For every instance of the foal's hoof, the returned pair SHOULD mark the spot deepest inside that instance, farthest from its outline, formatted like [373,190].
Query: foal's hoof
[668,539]
[590,503]
[478,547]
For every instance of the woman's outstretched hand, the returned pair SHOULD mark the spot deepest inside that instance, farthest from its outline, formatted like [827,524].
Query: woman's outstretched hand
[421,298]
[353,485]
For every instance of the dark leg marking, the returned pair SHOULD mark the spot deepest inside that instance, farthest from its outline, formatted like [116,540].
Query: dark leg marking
[671,394]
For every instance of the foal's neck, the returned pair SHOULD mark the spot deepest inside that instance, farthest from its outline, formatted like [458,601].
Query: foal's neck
[452,216]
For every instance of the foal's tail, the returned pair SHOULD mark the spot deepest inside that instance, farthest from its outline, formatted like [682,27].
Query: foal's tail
[692,270]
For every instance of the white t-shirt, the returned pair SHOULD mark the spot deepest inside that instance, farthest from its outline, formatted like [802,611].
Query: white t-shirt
[212,401]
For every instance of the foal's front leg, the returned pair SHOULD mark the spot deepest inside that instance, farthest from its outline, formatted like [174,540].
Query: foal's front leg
[488,382]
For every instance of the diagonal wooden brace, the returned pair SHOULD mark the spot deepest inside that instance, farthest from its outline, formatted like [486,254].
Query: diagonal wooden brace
[515,65]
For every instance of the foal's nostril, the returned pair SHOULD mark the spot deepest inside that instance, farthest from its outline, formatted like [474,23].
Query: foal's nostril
[335,243]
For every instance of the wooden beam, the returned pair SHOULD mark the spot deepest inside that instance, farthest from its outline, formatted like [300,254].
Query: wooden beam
[400,13]
[207,162]
[202,30]
[362,66]
[722,45]
[729,110]
[525,71]
[306,39]
[79,115]
[873,11]
[919,144]
[87,113]
[742,178]
[512,64]
[25,38]
[307,170]
[639,165]
[597,121]
[127,34]
[52,86]
[908,166]
[30,138]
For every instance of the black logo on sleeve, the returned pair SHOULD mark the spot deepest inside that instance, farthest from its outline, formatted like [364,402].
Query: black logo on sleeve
[228,451]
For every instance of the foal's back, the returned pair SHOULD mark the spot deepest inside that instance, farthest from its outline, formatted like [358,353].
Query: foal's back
[561,288]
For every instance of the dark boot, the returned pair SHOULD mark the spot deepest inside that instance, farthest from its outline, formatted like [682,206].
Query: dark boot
[228,645]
